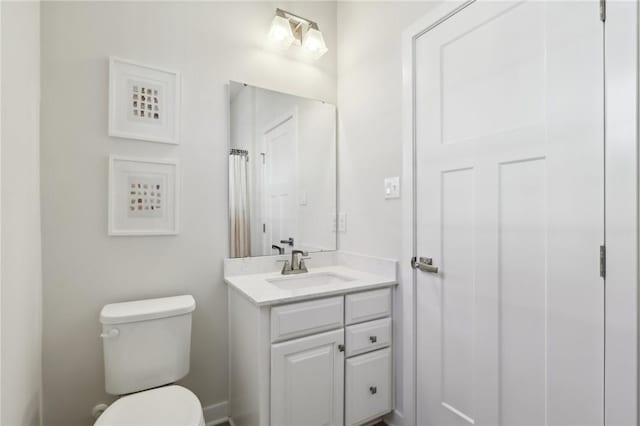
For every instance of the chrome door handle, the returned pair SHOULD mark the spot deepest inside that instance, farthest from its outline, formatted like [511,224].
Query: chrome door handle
[425,264]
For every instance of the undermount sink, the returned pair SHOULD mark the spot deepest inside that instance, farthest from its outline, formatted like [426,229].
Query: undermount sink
[308,280]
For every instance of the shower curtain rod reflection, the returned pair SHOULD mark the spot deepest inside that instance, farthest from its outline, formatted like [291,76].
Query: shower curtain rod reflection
[241,152]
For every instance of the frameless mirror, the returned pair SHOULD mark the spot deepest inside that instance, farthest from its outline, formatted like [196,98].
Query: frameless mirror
[282,173]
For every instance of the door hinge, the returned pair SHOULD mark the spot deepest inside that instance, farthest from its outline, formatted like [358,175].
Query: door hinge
[263,155]
[603,261]
[603,10]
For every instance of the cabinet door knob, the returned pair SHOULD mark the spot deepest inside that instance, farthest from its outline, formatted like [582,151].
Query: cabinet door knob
[373,339]
[373,390]
[341,348]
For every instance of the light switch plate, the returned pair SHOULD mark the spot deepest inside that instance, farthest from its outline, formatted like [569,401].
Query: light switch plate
[342,222]
[392,187]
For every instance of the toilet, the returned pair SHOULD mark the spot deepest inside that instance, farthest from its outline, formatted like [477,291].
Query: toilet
[146,349]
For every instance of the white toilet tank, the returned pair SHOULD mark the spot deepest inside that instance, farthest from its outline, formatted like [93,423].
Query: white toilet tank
[146,343]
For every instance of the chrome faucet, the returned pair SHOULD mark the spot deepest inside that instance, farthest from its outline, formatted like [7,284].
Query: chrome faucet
[297,265]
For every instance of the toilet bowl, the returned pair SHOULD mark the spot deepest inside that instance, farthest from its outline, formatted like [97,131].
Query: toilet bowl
[146,350]
[166,406]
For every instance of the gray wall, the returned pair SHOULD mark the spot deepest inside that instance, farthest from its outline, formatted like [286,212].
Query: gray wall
[84,269]
[21,255]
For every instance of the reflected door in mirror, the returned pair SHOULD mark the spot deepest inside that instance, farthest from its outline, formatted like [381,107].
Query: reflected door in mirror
[279,183]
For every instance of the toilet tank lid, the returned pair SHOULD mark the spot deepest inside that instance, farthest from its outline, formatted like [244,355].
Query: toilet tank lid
[142,310]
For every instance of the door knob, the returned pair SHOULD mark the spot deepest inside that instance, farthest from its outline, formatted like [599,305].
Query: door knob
[373,390]
[341,348]
[373,339]
[425,264]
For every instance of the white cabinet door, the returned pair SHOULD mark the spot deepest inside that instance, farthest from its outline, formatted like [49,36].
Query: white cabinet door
[509,186]
[307,381]
[369,385]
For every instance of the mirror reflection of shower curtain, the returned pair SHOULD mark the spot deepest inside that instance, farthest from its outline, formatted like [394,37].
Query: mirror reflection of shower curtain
[239,204]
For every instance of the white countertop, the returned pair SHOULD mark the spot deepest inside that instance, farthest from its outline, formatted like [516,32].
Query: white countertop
[261,292]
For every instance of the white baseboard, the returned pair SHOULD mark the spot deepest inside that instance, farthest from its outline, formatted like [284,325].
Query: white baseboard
[395,418]
[216,413]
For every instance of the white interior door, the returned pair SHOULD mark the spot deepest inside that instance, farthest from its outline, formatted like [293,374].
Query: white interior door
[509,204]
[279,210]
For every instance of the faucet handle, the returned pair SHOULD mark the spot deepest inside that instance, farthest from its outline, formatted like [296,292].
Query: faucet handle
[303,266]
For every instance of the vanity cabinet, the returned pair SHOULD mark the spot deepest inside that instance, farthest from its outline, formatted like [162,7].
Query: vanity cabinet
[324,362]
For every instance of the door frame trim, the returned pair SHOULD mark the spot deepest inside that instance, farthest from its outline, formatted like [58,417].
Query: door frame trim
[621,211]
[406,413]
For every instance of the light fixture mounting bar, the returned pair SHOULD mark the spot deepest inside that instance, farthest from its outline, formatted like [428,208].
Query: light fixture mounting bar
[296,20]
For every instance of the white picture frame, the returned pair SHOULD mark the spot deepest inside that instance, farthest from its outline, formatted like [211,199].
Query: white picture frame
[144,102]
[143,196]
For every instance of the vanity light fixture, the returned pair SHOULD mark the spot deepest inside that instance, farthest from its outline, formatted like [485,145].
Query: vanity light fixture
[281,34]
[287,29]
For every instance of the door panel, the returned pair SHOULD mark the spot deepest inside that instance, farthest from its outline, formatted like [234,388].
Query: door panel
[509,204]
[280,210]
[522,291]
[307,381]
[457,301]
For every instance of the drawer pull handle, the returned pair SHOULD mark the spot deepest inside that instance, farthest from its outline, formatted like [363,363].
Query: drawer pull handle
[373,339]
[373,390]
[341,348]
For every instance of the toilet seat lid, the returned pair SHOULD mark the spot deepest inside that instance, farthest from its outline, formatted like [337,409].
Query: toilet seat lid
[165,406]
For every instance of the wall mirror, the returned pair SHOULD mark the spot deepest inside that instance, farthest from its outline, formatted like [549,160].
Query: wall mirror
[282,173]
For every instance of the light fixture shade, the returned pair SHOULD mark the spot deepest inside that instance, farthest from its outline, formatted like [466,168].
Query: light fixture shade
[280,34]
[313,43]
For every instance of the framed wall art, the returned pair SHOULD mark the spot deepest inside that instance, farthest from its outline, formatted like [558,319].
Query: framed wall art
[143,196]
[144,102]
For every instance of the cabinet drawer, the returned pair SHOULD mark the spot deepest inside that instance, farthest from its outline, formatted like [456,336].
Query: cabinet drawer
[368,305]
[368,336]
[301,319]
[368,387]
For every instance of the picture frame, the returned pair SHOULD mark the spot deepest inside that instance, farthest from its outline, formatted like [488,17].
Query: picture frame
[144,102]
[143,196]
